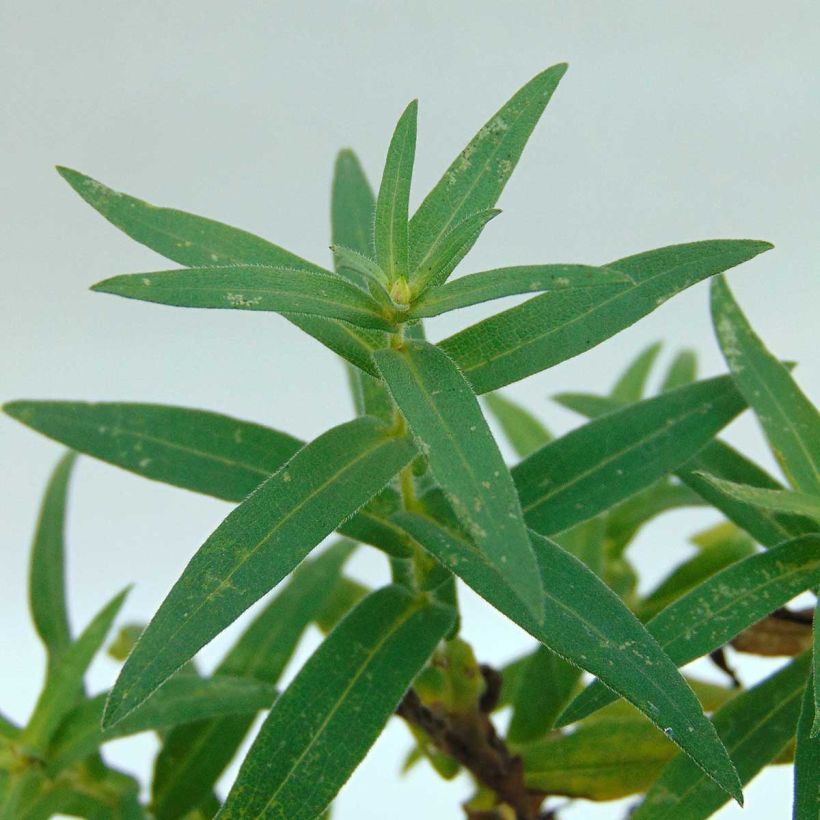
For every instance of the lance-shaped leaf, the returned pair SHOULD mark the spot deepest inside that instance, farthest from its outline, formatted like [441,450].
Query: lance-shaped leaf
[475,179]
[252,287]
[754,726]
[524,432]
[47,575]
[608,759]
[588,625]
[257,545]
[195,241]
[392,205]
[683,370]
[64,681]
[326,720]
[446,419]
[807,761]
[815,730]
[631,383]
[449,251]
[713,613]
[182,699]
[595,466]
[790,421]
[192,758]
[352,208]
[554,327]
[543,690]
[195,449]
[496,284]
[792,502]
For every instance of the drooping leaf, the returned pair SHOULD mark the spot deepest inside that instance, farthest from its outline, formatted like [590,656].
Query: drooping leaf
[683,370]
[608,759]
[713,613]
[754,727]
[352,209]
[326,720]
[192,758]
[252,287]
[64,681]
[544,689]
[554,327]
[807,761]
[392,205]
[792,502]
[445,417]
[595,466]
[524,432]
[47,598]
[790,421]
[194,449]
[475,179]
[195,241]
[182,699]
[496,284]
[632,383]
[257,545]
[588,625]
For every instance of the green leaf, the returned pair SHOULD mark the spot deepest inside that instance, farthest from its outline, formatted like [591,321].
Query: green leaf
[182,699]
[392,205]
[683,370]
[496,284]
[352,209]
[609,759]
[195,241]
[361,270]
[587,404]
[807,761]
[194,449]
[64,681]
[445,255]
[524,432]
[545,688]
[192,758]
[789,420]
[713,613]
[588,625]
[815,731]
[754,726]
[446,419]
[324,723]
[47,574]
[554,327]
[784,501]
[252,287]
[632,383]
[257,545]
[595,466]
[475,179]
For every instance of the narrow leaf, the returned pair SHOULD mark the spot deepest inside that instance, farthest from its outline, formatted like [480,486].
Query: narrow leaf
[588,625]
[352,208]
[807,761]
[192,758]
[327,719]
[64,682]
[47,574]
[631,385]
[683,370]
[445,417]
[789,419]
[475,179]
[257,545]
[754,727]
[524,432]
[595,466]
[713,613]
[496,284]
[783,501]
[394,197]
[554,327]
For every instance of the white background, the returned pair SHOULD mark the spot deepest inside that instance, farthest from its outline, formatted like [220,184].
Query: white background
[676,122]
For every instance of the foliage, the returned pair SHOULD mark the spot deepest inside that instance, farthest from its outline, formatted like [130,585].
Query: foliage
[419,476]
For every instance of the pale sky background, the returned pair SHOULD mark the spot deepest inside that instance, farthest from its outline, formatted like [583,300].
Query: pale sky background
[676,122]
